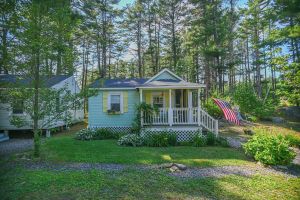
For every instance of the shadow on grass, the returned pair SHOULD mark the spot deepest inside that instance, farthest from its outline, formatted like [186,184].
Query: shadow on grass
[66,149]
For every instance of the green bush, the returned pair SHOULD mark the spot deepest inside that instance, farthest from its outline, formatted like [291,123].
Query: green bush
[104,134]
[213,109]
[221,141]
[211,139]
[199,140]
[293,140]
[161,139]
[172,139]
[269,149]
[245,96]
[85,134]
[131,140]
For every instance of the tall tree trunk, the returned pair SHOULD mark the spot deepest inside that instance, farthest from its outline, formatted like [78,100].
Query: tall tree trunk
[139,44]
[174,49]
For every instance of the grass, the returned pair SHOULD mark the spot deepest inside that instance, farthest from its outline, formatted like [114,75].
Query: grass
[67,149]
[132,184]
[288,128]
[21,183]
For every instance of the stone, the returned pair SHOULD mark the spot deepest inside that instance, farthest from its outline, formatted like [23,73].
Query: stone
[282,167]
[277,120]
[165,165]
[174,168]
[248,132]
[180,166]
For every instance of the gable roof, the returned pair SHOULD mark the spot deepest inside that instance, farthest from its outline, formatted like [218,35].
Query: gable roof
[162,72]
[164,79]
[18,80]
[118,83]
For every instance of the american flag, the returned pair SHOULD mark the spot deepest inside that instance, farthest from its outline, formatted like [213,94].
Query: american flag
[229,114]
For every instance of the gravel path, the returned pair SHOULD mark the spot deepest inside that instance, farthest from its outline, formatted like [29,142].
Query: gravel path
[190,172]
[15,145]
[232,170]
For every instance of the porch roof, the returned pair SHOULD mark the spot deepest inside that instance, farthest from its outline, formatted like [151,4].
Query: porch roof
[169,84]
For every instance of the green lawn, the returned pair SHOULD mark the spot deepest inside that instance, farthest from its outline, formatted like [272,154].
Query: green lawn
[22,183]
[67,149]
[131,184]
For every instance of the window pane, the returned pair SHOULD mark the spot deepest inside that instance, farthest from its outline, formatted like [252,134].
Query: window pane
[158,100]
[115,107]
[115,98]
[115,101]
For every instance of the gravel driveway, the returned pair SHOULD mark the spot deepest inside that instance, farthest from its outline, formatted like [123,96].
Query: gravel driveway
[15,145]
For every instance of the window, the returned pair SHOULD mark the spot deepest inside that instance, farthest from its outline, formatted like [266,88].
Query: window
[18,107]
[115,102]
[158,100]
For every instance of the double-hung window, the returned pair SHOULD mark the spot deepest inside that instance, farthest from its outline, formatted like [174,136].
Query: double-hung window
[115,102]
[158,99]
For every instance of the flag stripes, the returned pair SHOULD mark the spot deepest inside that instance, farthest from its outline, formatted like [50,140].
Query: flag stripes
[229,114]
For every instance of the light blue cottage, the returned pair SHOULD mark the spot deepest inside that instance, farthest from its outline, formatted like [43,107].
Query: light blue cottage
[178,103]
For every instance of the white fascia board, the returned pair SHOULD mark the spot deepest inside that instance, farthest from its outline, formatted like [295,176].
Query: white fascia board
[162,71]
[172,87]
[131,88]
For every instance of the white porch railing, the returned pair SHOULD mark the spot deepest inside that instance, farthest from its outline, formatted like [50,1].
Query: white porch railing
[158,118]
[181,116]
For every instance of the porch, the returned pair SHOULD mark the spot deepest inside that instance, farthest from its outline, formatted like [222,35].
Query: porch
[176,107]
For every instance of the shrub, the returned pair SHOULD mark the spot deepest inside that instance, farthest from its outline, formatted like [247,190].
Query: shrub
[161,139]
[293,140]
[213,109]
[172,139]
[221,141]
[269,149]
[199,140]
[131,140]
[245,96]
[157,140]
[211,138]
[104,134]
[85,134]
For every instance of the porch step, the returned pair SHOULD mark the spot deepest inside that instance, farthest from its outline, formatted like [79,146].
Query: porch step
[3,137]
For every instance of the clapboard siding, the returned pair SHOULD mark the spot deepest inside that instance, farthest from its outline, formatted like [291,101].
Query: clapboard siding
[98,118]
[6,110]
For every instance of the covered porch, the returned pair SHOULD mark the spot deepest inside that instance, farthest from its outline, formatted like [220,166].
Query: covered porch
[177,107]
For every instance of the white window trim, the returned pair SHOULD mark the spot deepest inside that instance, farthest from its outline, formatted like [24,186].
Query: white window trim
[121,100]
[158,94]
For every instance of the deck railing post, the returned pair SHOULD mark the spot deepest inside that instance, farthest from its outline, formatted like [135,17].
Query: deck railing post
[170,111]
[198,107]
[142,114]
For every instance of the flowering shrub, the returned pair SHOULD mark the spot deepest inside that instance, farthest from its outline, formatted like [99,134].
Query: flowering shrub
[131,140]
[96,134]
[269,149]
[85,134]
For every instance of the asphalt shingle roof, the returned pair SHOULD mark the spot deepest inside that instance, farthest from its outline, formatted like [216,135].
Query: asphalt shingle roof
[118,83]
[18,80]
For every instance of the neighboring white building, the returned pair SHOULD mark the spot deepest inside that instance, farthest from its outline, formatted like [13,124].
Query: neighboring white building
[55,82]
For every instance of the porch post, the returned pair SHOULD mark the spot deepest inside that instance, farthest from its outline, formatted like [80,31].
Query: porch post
[190,106]
[141,101]
[198,106]
[170,111]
